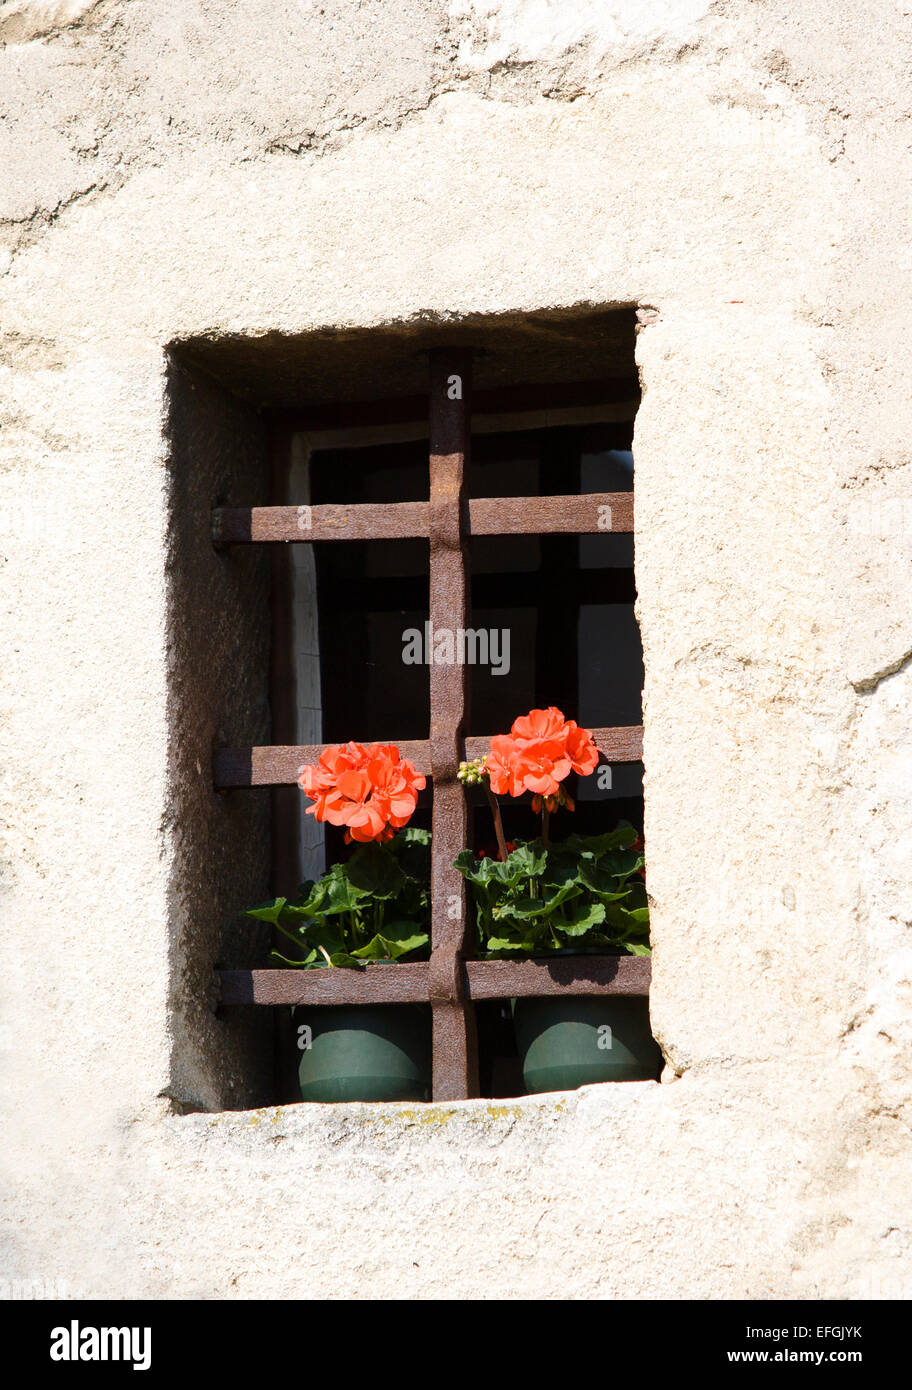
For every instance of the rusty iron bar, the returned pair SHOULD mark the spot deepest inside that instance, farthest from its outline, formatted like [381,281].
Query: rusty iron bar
[576,513]
[285,807]
[573,514]
[508,979]
[455,1045]
[400,984]
[329,522]
[273,766]
[377,984]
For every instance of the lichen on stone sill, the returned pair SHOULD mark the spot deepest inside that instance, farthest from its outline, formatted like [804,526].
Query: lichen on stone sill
[384,1116]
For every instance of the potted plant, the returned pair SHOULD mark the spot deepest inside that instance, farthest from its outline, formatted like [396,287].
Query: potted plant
[372,907]
[539,898]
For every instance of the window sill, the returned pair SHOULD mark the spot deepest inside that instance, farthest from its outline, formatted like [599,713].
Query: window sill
[385,1120]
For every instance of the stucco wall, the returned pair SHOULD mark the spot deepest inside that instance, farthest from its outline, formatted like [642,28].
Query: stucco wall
[736,171]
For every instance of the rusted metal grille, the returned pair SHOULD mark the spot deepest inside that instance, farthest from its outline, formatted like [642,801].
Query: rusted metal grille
[451,981]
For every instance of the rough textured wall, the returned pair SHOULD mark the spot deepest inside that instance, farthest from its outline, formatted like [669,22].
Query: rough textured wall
[736,171]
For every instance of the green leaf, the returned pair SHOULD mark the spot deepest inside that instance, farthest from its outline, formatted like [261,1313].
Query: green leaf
[344,960]
[375,872]
[411,835]
[388,948]
[635,922]
[582,919]
[562,869]
[330,894]
[530,908]
[412,850]
[481,871]
[340,896]
[267,912]
[305,964]
[526,861]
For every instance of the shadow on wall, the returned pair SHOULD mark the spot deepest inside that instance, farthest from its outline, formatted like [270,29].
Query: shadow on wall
[218,664]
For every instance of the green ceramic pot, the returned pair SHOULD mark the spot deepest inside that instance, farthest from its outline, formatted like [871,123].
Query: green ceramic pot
[364,1052]
[570,1041]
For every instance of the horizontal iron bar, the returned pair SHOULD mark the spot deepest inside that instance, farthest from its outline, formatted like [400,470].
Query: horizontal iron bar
[367,521]
[507,979]
[578,513]
[378,984]
[277,765]
[404,984]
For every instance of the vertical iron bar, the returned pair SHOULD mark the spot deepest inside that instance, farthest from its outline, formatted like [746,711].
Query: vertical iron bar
[285,807]
[455,1040]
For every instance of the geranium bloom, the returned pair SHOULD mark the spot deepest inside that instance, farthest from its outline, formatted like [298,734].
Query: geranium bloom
[541,749]
[370,790]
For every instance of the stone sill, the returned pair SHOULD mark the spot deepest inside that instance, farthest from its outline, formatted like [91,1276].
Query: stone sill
[391,1119]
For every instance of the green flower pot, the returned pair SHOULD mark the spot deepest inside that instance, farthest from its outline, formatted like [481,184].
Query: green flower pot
[570,1041]
[364,1052]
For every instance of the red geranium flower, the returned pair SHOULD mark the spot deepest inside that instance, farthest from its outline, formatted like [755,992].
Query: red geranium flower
[370,790]
[541,749]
